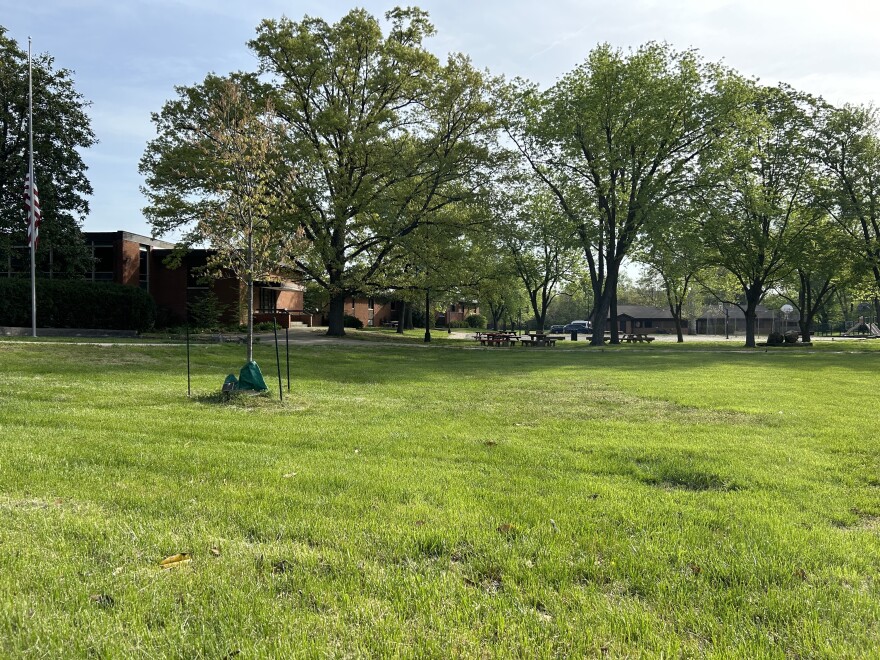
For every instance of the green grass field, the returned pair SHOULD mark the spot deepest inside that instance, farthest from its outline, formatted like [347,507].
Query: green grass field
[440,502]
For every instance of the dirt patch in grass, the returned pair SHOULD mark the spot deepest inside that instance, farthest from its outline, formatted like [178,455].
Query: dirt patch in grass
[34,504]
[265,402]
[589,401]
[860,522]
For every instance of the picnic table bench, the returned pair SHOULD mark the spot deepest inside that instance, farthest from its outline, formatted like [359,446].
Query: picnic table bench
[540,339]
[496,338]
[637,337]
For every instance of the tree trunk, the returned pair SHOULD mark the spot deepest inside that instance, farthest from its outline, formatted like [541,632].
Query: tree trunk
[676,318]
[602,310]
[409,322]
[427,315]
[539,310]
[750,327]
[336,316]
[250,318]
[250,295]
[401,317]
[599,320]
[751,316]
[497,312]
[804,300]
[804,325]
[612,312]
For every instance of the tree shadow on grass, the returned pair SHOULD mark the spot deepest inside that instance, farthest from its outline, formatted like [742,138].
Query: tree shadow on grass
[674,471]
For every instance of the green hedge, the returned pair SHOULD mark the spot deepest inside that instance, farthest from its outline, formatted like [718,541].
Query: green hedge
[476,321]
[352,322]
[76,304]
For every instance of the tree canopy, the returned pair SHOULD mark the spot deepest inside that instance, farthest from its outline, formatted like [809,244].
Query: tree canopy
[756,214]
[384,137]
[61,129]
[615,138]
[390,172]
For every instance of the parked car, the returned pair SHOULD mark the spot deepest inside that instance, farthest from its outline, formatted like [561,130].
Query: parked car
[580,327]
[556,329]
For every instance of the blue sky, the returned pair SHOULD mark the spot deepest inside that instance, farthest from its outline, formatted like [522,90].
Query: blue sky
[129,54]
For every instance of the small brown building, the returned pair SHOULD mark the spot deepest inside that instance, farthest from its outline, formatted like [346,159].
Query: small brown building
[719,320]
[636,318]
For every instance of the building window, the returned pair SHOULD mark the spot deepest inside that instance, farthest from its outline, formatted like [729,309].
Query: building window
[144,268]
[268,300]
[18,261]
[195,265]
[352,302]
[370,303]
[102,263]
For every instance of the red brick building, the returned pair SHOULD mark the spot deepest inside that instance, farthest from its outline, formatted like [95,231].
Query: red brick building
[135,260]
[458,312]
[372,311]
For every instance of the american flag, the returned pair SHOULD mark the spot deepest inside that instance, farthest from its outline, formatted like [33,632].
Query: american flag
[32,204]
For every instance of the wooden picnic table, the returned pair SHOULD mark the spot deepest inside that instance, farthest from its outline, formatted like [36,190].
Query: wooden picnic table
[632,337]
[540,339]
[496,338]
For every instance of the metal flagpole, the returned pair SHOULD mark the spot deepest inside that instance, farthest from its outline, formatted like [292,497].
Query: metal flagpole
[32,211]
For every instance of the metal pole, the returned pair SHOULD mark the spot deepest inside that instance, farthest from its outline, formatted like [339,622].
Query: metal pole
[188,377]
[287,354]
[277,359]
[32,225]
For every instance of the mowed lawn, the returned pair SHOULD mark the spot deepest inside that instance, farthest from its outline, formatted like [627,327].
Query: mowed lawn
[440,502]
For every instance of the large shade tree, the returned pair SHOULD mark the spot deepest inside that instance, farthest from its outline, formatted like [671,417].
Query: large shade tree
[613,140]
[823,264]
[61,131]
[384,136]
[848,149]
[756,217]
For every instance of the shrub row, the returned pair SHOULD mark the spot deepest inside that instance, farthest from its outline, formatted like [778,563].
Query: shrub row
[472,321]
[76,304]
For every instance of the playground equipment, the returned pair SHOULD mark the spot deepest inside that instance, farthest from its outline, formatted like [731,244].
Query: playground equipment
[863,329]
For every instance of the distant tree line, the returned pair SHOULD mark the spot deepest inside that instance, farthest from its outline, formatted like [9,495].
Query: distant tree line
[403,174]
[356,159]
